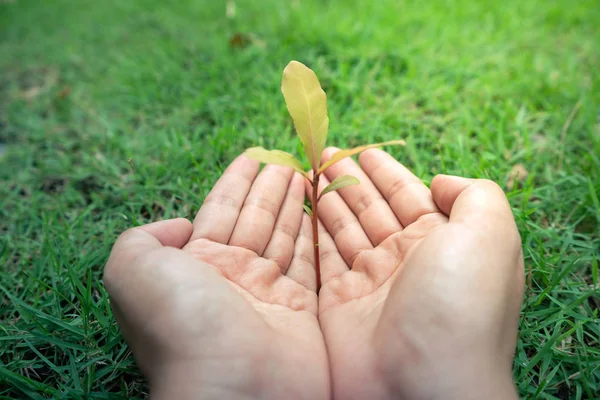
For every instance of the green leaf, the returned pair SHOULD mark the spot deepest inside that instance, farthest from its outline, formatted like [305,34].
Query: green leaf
[307,104]
[350,152]
[340,182]
[277,157]
[308,210]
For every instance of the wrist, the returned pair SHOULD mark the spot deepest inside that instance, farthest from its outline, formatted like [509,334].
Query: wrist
[477,387]
[456,384]
[494,388]
[235,379]
[188,382]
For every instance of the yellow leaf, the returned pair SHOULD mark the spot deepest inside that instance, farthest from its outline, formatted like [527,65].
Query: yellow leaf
[307,104]
[350,152]
[277,157]
[340,182]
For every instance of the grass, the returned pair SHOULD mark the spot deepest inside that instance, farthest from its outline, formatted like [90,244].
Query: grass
[113,114]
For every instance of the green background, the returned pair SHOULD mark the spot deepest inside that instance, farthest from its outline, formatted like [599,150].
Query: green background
[114,113]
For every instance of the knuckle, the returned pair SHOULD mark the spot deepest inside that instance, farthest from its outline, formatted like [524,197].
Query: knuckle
[325,255]
[340,224]
[395,188]
[362,203]
[124,236]
[490,185]
[281,259]
[305,259]
[221,199]
[287,230]
[355,258]
[264,204]
[398,186]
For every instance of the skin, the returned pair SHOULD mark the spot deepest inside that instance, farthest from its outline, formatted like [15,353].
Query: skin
[421,288]
[226,307]
[420,297]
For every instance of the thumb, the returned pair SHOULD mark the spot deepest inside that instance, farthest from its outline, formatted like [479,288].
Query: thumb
[446,188]
[141,240]
[171,232]
[475,202]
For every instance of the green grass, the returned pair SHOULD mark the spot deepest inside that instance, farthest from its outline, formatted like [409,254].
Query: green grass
[115,113]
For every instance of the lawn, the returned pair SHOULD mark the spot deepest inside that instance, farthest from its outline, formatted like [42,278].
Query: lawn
[113,114]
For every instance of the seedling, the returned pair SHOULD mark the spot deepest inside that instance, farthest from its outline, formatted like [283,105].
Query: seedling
[307,103]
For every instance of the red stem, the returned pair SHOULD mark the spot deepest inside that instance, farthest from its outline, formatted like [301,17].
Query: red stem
[315,226]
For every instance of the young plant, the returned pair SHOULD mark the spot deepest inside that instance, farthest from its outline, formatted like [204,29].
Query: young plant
[307,103]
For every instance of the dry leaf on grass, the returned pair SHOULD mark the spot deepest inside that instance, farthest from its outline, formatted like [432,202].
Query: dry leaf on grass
[243,40]
[518,173]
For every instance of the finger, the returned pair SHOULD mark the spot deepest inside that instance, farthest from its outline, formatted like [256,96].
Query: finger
[365,201]
[219,212]
[479,203]
[332,263]
[408,197]
[281,246]
[341,223]
[255,224]
[302,266]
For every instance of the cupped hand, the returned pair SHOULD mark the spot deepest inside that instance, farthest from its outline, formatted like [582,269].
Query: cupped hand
[225,308]
[421,288]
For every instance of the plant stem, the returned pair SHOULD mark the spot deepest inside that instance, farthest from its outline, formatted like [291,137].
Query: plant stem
[315,226]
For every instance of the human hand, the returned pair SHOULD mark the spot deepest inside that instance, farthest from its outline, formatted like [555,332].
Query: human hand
[225,308]
[421,288]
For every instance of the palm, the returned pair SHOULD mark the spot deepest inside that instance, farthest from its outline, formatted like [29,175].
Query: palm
[366,244]
[257,284]
[252,232]
[373,270]
[258,280]
[230,305]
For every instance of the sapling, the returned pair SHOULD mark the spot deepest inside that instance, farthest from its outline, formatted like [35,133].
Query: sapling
[307,104]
